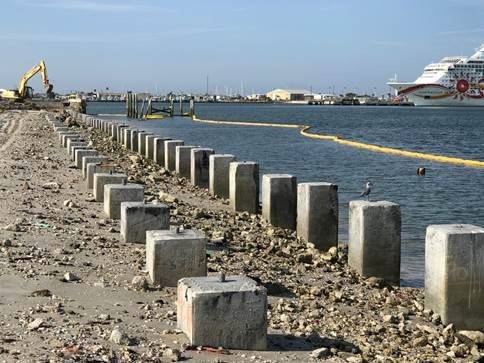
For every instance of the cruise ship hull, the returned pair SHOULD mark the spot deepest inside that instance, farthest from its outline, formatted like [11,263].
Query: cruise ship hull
[439,95]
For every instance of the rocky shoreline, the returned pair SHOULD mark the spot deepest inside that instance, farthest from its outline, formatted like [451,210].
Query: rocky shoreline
[319,309]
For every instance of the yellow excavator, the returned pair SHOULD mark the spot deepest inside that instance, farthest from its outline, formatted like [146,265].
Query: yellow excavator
[25,91]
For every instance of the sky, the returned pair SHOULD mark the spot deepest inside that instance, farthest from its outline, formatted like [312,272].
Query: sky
[254,45]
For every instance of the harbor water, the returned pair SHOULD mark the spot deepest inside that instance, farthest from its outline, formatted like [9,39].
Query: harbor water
[446,194]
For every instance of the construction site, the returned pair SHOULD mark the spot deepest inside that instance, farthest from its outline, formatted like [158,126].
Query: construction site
[119,245]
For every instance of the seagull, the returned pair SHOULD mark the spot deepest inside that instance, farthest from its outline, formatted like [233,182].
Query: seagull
[367,191]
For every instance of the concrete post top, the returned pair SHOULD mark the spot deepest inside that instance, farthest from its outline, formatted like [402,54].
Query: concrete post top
[174,141]
[198,148]
[454,229]
[86,150]
[123,186]
[185,147]
[241,163]
[151,136]
[172,234]
[317,184]
[162,138]
[221,156]
[103,175]
[136,205]
[364,204]
[278,176]
[213,285]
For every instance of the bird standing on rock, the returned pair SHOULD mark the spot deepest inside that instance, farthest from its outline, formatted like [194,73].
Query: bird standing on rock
[367,191]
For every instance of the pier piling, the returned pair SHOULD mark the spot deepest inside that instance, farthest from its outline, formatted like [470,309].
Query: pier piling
[183,164]
[170,153]
[454,274]
[317,214]
[375,239]
[200,166]
[172,255]
[244,186]
[279,198]
[204,303]
[115,194]
[219,170]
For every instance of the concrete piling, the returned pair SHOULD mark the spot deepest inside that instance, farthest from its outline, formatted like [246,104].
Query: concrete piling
[92,159]
[454,274]
[279,199]
[170,153]
[138,217]
[80,153]
[150,147]
[200,166]
[75,147]
[120,132]
[218,178]
[159,150]
[127,138]
[102,179]
[93,168]
[112,130]
[66,137]
[71,142]
[183,160]
[115,194]
[172,255]
[62,134]
[375,239]
[142,142]
[204,303]
[244,186]
[134,140]
[317,214]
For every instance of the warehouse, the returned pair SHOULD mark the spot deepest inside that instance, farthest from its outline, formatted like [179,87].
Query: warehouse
[287,94]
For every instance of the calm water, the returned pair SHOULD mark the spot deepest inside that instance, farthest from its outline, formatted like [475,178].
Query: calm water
[447,194]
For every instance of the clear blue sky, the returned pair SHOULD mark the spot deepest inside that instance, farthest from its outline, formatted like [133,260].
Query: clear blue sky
[172,45]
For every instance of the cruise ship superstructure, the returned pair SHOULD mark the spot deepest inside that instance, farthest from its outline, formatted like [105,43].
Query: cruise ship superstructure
[454,81]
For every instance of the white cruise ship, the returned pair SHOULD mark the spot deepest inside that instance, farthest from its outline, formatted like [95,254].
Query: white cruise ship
[454,81]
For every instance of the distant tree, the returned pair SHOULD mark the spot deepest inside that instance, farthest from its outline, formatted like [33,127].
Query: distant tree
[350,95]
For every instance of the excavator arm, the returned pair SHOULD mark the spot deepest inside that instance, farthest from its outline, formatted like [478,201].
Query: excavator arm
[22,86]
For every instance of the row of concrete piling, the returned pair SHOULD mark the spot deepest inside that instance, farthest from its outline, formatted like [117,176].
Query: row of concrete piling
[454,262]
[175,257]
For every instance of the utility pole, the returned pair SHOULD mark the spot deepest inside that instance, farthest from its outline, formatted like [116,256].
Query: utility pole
[207,84]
